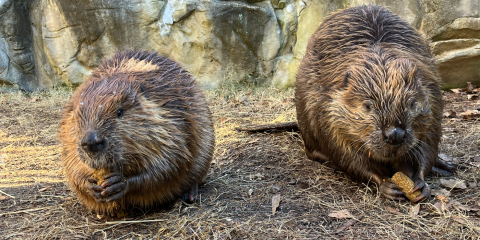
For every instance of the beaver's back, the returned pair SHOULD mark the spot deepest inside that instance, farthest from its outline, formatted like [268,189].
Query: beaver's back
[360,27]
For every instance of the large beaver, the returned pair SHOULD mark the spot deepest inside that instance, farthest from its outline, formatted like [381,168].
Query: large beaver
[368,99]
[143,120]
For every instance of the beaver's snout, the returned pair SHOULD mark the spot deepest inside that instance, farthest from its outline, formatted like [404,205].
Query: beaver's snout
[394,135]
[92,143]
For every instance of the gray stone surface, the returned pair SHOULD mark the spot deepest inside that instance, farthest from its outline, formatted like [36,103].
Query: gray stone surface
[47,42]
[16,46]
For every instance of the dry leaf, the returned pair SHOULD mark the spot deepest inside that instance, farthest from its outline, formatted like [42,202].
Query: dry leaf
[392,210]
[458,219]
[3,198]
[450,114]
[348,224]
[440,192]
[414,210]
[472,184]
[456,90]
[460,206]
[35,99]
[453,183]
[242,99]
[275,203]
[440,207]
[475,164]
[470,114]
[442,198]
[341,214]
[472,96]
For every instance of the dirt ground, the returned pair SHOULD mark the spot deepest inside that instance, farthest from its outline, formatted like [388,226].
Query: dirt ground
[248,172]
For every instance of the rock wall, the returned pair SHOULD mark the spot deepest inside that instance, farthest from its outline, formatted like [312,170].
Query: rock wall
[47,42]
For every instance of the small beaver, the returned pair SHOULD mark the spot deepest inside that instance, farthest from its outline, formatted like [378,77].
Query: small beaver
[368,99]
[141,123]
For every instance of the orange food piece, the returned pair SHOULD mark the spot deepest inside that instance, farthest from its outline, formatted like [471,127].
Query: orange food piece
[406,184]
[100,174]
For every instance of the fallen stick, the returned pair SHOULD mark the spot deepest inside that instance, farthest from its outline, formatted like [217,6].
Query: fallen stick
[26,210]
[136,221]
[349,223]
[7,194]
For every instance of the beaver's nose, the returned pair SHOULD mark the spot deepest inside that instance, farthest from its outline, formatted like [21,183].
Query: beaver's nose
[394,135]
[92,143]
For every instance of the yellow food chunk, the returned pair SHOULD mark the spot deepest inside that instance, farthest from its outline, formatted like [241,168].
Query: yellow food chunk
[100,174]
[406,184]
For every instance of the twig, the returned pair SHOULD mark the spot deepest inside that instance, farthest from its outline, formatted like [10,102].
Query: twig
[136,221]
[216,179]
[7,194]
[26,210]
[349,223]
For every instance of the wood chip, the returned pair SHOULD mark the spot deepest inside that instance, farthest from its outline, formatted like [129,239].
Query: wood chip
[340,214]
[275,202]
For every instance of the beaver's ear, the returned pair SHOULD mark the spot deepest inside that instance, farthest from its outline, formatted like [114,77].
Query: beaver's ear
[142,90]
[347,77]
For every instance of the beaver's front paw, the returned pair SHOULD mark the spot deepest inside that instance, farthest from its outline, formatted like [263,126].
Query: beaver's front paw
[114,187]
[392,191]
[94,190]
[420,184]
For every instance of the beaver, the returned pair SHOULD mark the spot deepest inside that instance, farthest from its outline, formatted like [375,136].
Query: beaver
[368,99]
[142,121]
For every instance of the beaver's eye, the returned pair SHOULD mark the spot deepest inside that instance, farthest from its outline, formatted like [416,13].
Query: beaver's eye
[412,103]
[367,105]
[119,113]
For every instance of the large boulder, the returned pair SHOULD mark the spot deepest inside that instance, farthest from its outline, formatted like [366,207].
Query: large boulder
[17,67]
[452,26]
[47,42]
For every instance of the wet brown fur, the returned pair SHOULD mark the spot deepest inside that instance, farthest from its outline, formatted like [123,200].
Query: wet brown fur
[367,56]
[163,143]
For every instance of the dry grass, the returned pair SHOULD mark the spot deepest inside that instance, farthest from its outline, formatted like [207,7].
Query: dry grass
[235,201]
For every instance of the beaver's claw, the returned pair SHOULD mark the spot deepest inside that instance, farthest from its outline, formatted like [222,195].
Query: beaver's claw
[425,194]
[114,187]
[392,191]
[94,190]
